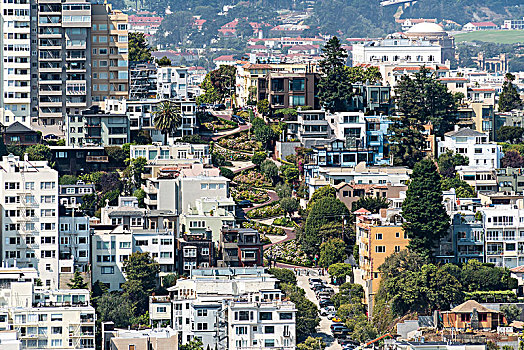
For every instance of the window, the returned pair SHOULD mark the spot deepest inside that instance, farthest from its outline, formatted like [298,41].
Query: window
[56,330]
[269,343]
[269,329]
[265,316]
[380,249]
[201,326]
[397,248]
[107,270]
[202,312]
[378,236]
[286,316]
[125,245]
[56,317]
[47,185]
[241,330]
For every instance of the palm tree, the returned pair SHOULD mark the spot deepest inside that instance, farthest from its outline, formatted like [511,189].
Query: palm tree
[167,118]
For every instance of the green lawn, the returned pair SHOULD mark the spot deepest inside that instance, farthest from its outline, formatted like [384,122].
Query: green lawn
[493,36]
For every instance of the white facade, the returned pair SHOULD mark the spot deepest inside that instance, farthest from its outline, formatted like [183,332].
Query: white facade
[183,153]
[349,126]
[29,203]
[474,145]
[15,57]
[397,50]
[240,304]
[172,82]
[58,319]
[74,241]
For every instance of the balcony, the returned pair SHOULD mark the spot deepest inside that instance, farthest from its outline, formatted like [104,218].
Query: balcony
[97,159]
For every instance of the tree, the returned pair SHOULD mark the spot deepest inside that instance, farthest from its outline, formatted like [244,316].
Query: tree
[312,344]
[140,195]
[283,190]
[334,87]
[263,107]
[307,312]
[227,173]
[510,134]
[117,155]
[290,174]
[258,157]
[141,273]
[115,307]
[406,140]
[509,98]
[423,98]
[142,137]
[426,220]
[448,161]
[67,180]
[339,269]
[163,62]
[244,29]
[167,118]
[348,293]
[195,344]
[218,84]
[322,192]
[362,75]
[373,204]
[265,134]
[39,152]
[270,169]
[77,282]
[462,188]
[289,205]
[134,171]
[332,251]
[512,159]
[323,211]
[138,48]
[511,311]
[283,275]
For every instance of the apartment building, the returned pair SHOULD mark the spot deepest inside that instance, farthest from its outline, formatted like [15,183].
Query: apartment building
[44,318]
[109,54]
[310,127]
[510,180]
[74,247]
[15,51]
[350,193]
[195,251]
[240,247]
[472,144]
[158,155]
[29,202]
[68,72]
[481,178]
[71,196]
[172,83]
[378,236]
[145,339]
[228,308]
[142,80]
[289,90]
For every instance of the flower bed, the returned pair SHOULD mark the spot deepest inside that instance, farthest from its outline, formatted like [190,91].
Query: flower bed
[265,229]
[284,221]
[267,211]
[252,178]
[231,155]
[218,126]
[240,142]
[254,195]
[288,252]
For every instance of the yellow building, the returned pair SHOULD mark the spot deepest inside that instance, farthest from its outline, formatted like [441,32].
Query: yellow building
[109,56]
[378,236]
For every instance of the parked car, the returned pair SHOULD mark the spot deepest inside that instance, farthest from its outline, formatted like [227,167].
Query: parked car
[324,295]
[325,302]
[317,286]
[313,280]
[245,203]
[219,107]
[326,310]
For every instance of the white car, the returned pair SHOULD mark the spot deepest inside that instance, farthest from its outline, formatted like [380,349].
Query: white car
[327,310]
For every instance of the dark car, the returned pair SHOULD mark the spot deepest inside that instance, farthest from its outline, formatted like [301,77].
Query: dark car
[325,302]
[241,120]
[339,328]
[202,106]
[219,107]
[246,203]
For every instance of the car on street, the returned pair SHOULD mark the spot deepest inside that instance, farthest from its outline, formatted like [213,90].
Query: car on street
[317,286]
[324,295]
[219,107]
[313,280]
[325,302]
[326,310]
[245,203]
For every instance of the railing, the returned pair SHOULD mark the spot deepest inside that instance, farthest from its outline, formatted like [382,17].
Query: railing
[104,159]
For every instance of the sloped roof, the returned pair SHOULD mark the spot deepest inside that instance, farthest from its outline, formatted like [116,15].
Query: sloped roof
[468,306]
[517,269]
[465,132]
[362,211]
[18,127]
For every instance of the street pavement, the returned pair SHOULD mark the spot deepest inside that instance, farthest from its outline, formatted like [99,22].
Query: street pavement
[323,330]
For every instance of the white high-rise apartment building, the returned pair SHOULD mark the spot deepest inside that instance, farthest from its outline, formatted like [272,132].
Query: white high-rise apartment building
[15,59]
[29,214]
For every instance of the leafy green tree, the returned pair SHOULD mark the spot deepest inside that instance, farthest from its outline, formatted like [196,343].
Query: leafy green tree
[210,94]
[312,344]
[140,194]
[270,169]
[307,312]
[331,252]
[283,190]
[362,75]
[462,188]
[422,98]
[334,87]
[362,329]
[511,311]
[115,307]
[512,159]
[290,174]
[509,98]
[39,152]
[373,204]
[192,345]
[426,220]
[244,29]
[142,138]
[289,205]
[340,270]
[265,134]
[283,275]
[323,211]
[258,157]
[77,282]
[89,202]
[448,161]
[227,173]
[167,118]
[117,155]
[406,140]
[510,134]
[163,62]
[138,48]
[142,277]
[219,84]
[67,180]
[263,107]
[322,192]
[194,139]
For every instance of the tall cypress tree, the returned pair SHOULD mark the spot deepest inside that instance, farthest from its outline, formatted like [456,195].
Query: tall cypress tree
[509,97]
[334,87]
[425,215]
